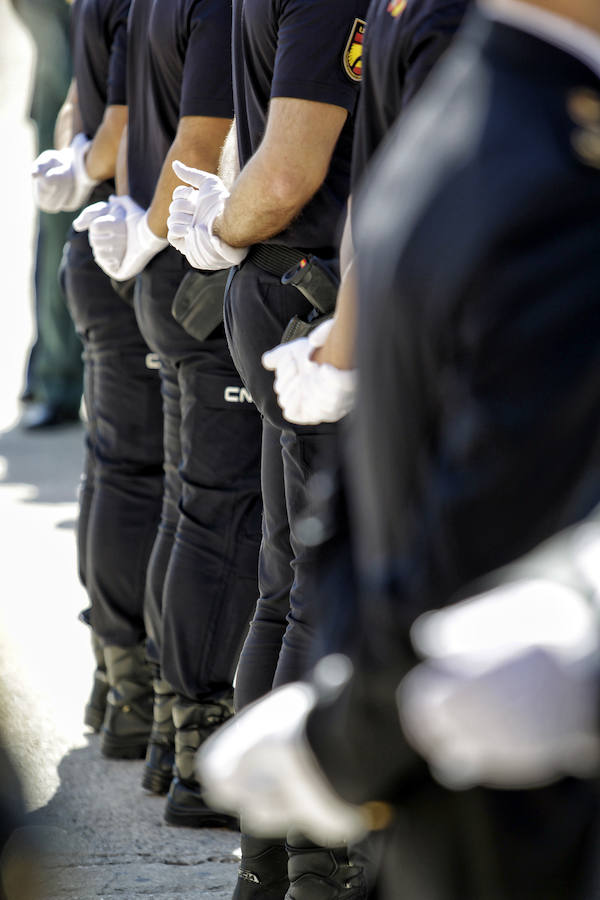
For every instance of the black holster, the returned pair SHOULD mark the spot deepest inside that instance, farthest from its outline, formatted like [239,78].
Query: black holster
[198,303]
[312,276]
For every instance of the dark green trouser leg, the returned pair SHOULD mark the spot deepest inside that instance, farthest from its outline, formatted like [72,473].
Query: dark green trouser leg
[54,372]
[55,368]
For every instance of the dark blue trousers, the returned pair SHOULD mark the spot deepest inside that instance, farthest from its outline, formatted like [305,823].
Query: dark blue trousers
[121,485]
[280,646]
[202,577]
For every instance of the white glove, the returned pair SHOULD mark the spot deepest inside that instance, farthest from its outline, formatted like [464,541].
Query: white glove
[259,766]
[60,179]
[309,393]
[192,213]
[508,694]
[120,237]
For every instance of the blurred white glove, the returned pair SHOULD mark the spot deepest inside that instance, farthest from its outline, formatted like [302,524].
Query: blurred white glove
[259,766]
[192,213]
[60,179]
[508,694]
[309,393]
[120,237]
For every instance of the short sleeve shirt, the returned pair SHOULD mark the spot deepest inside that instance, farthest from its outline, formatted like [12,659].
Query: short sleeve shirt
[308,50]
[179,64]
[404,39]
[99,44]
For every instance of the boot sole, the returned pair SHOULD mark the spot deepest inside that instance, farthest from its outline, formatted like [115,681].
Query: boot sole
[114,747]
[156,782]
[193,819]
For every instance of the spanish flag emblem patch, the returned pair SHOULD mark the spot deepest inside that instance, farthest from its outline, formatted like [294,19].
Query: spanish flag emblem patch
[354,49]
[395,7]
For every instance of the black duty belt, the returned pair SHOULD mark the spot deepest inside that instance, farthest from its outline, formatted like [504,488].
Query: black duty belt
[276,259]
[312,276]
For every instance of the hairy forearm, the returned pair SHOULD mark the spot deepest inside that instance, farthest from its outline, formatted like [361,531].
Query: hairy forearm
[101,159]
[285,172]
[198,143]
[259,205]
[229,163]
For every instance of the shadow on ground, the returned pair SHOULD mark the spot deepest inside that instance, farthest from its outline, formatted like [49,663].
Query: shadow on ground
[101,835]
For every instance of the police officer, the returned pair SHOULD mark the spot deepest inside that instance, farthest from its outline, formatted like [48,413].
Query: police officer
[476,426]
[404,39]
[315,379]
[54,376]
[201,584]
[297,67]
[121,487]
[470,367]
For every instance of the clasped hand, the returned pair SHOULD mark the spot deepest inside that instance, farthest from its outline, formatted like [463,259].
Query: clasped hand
[308,392]
[260,766]
[192,213]
[60,179]
[120,237]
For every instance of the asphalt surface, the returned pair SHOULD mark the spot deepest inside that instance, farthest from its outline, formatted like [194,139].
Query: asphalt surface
[96,832]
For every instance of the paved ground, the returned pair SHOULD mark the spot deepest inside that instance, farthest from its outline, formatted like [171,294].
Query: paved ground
[102,836]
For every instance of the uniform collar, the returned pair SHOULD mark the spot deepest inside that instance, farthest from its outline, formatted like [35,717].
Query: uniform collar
[575,39]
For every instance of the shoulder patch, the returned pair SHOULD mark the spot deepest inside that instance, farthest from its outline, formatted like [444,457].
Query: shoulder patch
[395,7]
[354,49]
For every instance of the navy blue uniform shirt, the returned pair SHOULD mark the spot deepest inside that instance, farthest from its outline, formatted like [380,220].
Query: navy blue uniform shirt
[307,50]
[99,43]
[404,40]
[179,54]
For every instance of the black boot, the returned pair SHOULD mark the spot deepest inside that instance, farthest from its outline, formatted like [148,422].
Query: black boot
[96,706]
[194,722]
[160,755]
[128,720]
[262,874]
[322,873]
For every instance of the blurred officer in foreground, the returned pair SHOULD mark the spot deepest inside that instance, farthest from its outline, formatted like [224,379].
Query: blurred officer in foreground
[475,437]
[506,697]
[297,68]
[201,583]
[121,489]
[53,386]
[315,379]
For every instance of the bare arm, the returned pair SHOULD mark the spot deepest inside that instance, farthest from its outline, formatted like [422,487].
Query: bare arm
[198,143]
[285,172]
[229,164]
[68,121]
[101,158]
[121,177]
[338,349]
